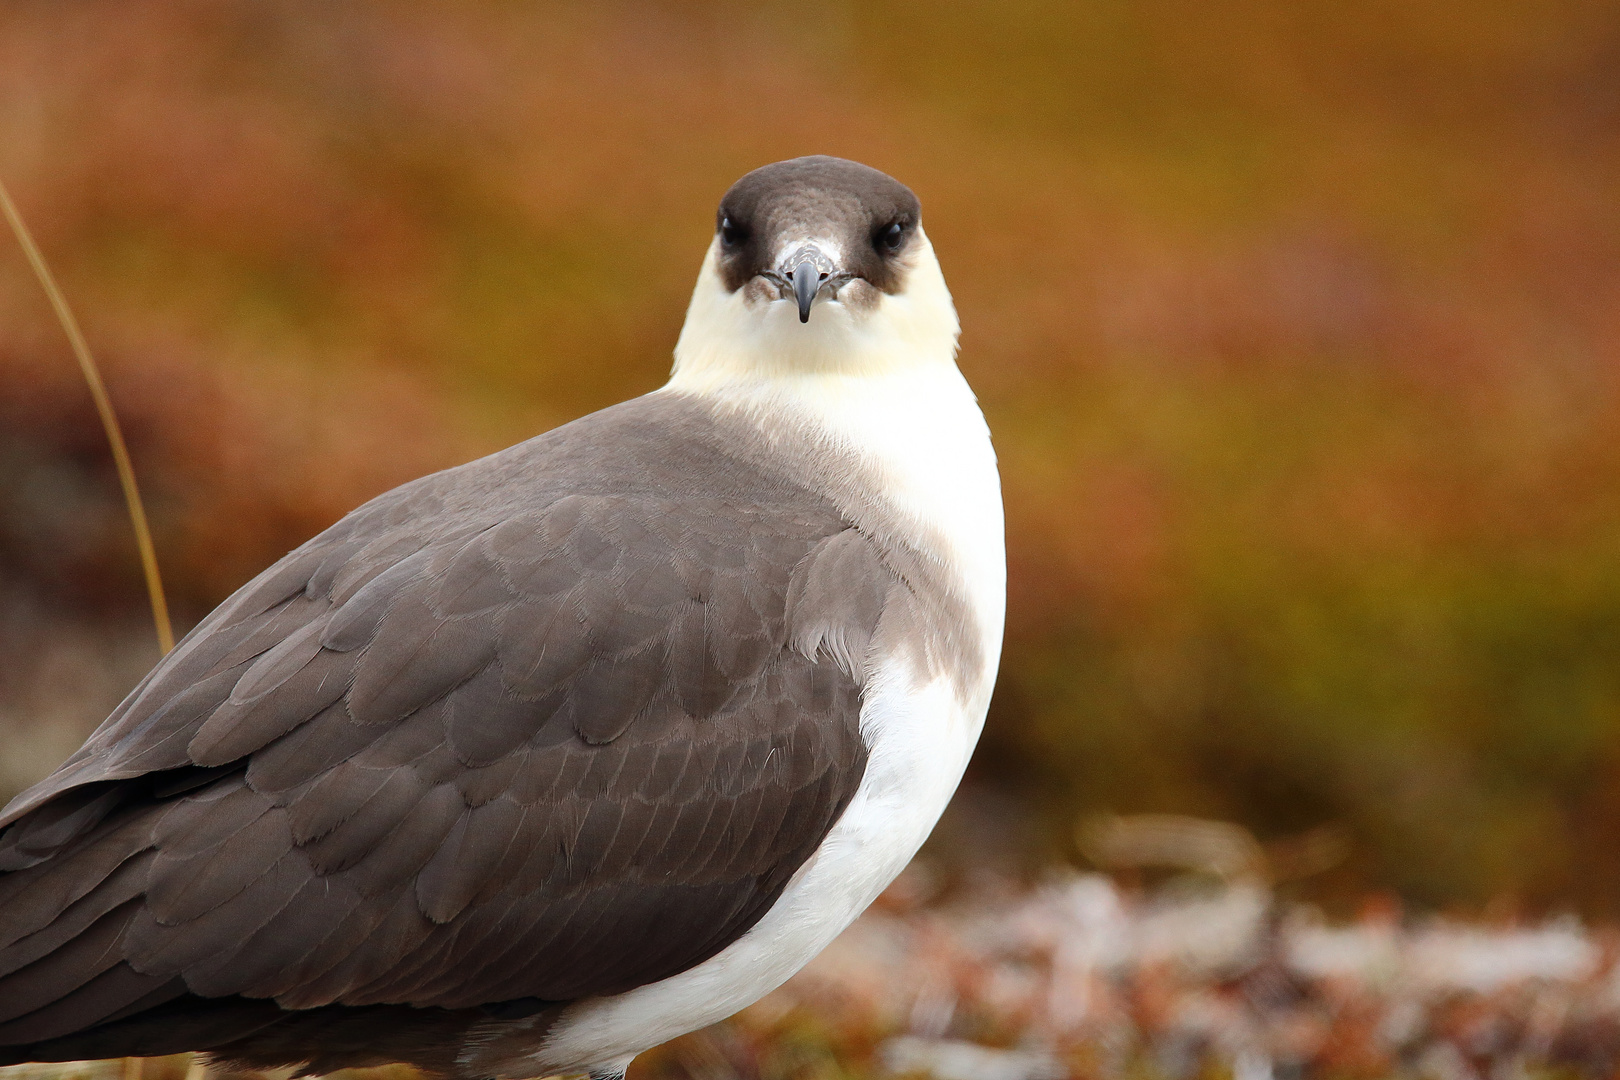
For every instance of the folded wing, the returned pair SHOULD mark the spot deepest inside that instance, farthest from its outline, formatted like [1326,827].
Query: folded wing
[443,760]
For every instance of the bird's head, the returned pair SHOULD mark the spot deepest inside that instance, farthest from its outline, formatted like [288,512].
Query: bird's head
[817,265]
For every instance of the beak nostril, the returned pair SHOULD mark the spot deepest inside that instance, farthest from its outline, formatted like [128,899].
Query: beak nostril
[803,273]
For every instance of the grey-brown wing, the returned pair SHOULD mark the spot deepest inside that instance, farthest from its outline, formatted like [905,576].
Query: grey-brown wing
[562,754]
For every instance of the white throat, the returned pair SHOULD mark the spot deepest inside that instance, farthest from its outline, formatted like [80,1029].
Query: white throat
[880,382]
[729,341]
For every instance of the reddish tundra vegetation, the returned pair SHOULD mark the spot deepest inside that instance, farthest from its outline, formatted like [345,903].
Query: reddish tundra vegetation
[1298,327]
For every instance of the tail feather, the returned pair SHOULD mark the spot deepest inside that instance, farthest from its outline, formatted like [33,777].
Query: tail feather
[88,1005]
[259,1034]
[35,897]
[124,884]
[53,978]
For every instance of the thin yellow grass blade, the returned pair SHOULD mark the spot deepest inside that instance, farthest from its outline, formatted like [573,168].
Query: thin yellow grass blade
[109,420]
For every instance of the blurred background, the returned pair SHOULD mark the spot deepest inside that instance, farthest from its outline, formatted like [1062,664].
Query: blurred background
[1297,324]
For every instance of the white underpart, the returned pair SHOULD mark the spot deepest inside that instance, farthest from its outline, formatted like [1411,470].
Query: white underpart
[883,383]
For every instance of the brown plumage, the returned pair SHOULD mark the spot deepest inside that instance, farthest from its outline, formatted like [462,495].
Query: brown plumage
[554,724]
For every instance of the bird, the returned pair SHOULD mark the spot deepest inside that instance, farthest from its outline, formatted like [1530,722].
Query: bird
[530,765]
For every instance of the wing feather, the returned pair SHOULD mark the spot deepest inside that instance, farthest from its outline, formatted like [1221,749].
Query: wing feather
[462,748]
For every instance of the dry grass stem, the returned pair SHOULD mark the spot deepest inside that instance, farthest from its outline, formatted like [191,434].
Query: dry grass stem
[109,419]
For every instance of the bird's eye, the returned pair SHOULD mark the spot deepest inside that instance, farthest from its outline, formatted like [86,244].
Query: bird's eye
[731,234]
[890,237]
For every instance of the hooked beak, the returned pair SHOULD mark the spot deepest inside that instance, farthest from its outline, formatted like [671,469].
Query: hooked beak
[803,273]
[806,283]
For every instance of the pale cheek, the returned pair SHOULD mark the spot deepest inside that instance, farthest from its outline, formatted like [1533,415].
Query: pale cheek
[860,296]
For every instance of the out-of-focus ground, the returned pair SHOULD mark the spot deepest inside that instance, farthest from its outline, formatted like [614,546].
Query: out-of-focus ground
[982,976]
[1297,324]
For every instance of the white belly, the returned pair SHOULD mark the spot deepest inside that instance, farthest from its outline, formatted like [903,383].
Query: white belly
[919,740]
